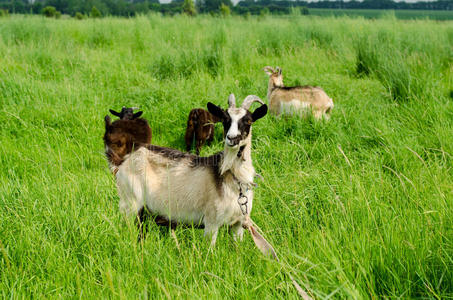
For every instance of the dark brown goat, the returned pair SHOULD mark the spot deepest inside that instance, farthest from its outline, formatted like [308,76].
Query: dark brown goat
[127,113]
[122,136]
[200,125]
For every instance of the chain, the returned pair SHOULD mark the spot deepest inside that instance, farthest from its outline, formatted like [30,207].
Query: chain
[243,200]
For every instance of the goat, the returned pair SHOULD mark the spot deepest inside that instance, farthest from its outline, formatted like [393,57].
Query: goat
[200,125]
[286,100]
[186,188]
[127,113]
[129,133]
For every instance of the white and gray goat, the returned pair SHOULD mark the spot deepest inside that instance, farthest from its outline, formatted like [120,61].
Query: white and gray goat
[186,188]
[296,99]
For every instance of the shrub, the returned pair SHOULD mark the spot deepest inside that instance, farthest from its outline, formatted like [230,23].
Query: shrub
[57,14]
[95,13]
[79,16]
[49,11]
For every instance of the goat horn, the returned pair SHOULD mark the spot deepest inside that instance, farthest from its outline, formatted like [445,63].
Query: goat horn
[249,100]
[135,108]
[268,68]
[231,101]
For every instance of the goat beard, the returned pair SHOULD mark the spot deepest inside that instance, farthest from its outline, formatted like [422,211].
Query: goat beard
[229,156]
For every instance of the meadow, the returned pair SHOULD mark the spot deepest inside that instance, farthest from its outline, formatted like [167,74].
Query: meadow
[358,207]
[403,14]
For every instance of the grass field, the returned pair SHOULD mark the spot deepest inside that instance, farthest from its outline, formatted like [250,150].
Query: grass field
[358,207]
[379,13]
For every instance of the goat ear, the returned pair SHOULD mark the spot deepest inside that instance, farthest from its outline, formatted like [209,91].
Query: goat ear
[259,112]
[108,122]
[114,113]
[279,71]
[137,114]
[216,110]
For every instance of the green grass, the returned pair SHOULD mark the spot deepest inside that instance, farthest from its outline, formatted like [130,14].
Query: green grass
[359,207]
[404,14]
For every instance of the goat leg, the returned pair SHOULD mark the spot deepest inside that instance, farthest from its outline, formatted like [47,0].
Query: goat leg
[237,231]
[211,231]
[200,144]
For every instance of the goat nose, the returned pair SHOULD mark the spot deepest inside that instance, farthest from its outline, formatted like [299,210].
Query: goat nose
[230,136]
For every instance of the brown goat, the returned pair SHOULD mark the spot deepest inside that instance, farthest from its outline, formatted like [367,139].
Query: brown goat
[123,136]
[201,125]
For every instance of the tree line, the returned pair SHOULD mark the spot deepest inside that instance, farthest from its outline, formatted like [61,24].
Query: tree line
[284,6]
[133,7]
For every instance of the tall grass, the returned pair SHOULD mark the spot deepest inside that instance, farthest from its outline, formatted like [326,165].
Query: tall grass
[409,63]
[357,207]
[404,14]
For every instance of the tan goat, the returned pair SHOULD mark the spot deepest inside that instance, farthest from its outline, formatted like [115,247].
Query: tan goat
[296,99]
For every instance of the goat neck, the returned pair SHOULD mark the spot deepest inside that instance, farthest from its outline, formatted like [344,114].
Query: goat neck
[238,161]
[271,87]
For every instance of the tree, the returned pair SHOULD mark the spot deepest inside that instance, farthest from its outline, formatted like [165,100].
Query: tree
[49,11]
[213,5]
[95,13]
[225,10]
[304,10]
[264,11]
[37,7]
[189,8]
[4,13]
